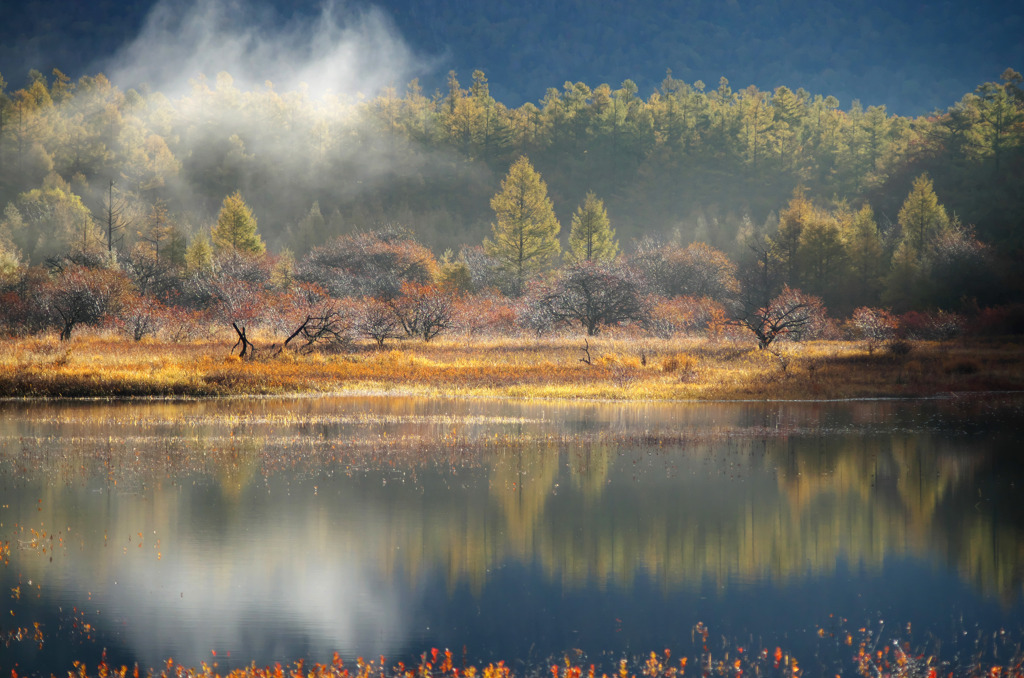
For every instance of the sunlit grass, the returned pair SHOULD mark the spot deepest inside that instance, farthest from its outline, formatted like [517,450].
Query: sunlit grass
[620,368]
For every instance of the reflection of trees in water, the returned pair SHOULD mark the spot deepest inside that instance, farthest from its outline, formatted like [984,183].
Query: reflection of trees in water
[871,496]
[916,494]
[857,498]
[521,481]
[723,509]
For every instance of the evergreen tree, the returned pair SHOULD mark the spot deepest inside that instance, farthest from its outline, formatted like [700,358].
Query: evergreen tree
[236,227]
[591,237]
[921,217]
[864,252]
[199,255]
[905,280]
[55,221]
[785,244]
[1000,117]
[10,257]
[310,232]
[525,228]
[282,275]
[823,259]
[758,123]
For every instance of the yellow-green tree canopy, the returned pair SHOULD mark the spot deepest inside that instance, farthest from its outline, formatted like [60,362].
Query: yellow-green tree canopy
[199,255]
[10,257]
[236,227]
[591,237]
[525,228]
[54,220]
[921,217]
[864,249]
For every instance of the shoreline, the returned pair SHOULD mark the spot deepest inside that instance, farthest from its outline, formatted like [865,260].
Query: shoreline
[623,369]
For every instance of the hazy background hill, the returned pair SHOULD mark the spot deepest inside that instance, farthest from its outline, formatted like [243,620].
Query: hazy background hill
[913,57]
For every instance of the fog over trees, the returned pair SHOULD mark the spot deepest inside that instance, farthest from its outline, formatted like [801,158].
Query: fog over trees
[187,194]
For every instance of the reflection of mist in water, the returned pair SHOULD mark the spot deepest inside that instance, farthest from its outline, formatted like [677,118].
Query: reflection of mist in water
[266,584]
[260,608]
[295,528]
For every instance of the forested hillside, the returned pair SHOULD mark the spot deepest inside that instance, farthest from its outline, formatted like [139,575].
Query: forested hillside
[911,212]
[692,161]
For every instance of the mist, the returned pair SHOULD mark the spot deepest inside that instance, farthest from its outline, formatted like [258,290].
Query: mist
[345,49]
[279,109]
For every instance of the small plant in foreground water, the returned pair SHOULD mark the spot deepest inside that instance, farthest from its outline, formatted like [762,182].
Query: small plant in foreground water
[864,652]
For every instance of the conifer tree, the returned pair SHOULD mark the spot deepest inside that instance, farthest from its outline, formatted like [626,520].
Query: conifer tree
[1000,116]
[864,248]
[591,237]
[921,218]
[10,257]
[236,227]
[310,232]
[199,255]
[525,228]
[793,219]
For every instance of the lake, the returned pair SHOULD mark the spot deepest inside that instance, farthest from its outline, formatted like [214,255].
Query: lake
[268,530]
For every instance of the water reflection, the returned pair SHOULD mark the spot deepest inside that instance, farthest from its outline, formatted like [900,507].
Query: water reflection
[285,528]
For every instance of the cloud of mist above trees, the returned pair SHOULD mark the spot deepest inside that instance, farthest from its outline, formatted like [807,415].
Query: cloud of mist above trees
[345,49]
[284,90]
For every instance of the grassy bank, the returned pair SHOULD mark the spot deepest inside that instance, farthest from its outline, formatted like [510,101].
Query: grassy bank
[630,369]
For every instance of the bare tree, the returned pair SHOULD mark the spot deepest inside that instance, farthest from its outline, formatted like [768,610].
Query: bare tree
[595,294]
[423,310]
[790,313]
[696,270]
[83,296]
[378,322]
[369,264]
[326,322]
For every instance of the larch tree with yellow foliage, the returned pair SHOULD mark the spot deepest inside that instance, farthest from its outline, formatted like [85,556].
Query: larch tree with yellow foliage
[591,237]
[236,228]
[525,228]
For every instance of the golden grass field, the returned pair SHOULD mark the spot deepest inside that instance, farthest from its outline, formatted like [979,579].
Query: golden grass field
[620,368]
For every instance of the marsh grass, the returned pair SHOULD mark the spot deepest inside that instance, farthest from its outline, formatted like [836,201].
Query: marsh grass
[620,368]
[867,652]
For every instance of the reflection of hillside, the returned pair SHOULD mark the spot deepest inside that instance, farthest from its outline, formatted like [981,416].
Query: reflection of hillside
[723,507]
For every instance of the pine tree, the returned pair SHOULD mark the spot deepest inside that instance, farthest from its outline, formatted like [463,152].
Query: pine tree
[10,257]
[525,228]
[591,237]
[921,217]
[236,227]
[864,249]
[310,232]
[793,219]
[199,255]
[1000,117]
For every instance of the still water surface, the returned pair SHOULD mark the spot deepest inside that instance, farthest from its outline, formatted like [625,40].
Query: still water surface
[278,529]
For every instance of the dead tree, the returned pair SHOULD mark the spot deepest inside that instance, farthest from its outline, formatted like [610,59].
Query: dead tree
[247,346]
[332,328]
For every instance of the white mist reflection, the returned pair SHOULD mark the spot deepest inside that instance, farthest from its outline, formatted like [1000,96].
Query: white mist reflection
[266,592]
